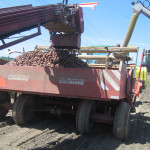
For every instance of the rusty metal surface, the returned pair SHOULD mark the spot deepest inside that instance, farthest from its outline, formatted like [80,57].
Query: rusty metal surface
[93,84]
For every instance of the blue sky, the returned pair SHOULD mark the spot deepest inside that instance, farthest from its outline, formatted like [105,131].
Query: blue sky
[107,24]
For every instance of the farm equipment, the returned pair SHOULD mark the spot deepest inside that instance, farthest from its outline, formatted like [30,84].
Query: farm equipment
[64,22]
[93,94]
[143,76]
[101,93]
[146,63]
[141,72]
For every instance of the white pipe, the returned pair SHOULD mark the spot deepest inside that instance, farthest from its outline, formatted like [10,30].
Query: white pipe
[139,8]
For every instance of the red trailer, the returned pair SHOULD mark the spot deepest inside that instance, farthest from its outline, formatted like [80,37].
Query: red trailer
[94,94]
[101,94]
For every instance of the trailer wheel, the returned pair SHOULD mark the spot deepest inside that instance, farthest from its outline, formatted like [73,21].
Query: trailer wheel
[4,97]
[83,122]
[23,109]
[122,121]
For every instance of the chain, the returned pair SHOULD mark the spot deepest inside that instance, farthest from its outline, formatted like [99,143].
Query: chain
[145,3]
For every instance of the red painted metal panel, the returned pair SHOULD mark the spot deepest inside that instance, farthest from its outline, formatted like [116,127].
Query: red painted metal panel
[23,79]
[67,82]
[61,41]
[80,22]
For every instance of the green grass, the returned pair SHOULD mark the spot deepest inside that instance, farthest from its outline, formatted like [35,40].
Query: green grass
[6,58]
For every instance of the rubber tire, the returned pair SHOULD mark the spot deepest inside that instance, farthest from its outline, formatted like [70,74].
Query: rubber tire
[4,97]
[83,123]
[24,102]
[122,121]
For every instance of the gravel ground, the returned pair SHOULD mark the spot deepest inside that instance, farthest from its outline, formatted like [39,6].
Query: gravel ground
[55,134]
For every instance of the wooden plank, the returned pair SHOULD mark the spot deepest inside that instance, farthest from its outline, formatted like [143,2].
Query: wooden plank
[104,50]
[92,57]
[96,49]
[38,47]
[113,66]
[95,57]
[123,49]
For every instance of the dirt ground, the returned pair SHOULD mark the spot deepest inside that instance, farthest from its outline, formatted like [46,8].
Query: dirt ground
[60,134]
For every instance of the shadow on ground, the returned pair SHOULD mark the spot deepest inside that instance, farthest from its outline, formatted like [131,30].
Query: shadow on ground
[100,138]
